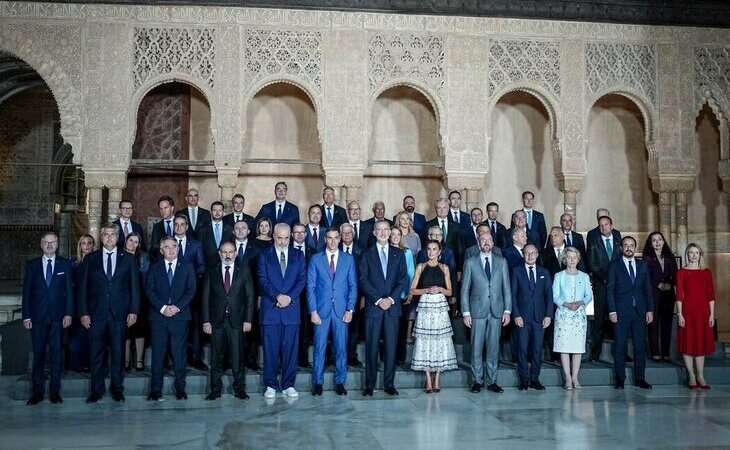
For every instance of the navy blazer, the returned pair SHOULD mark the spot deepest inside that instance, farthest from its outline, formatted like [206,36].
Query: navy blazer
[533,304]
[576,240]
[598,260]
[364,234]
[160,293]
[158,232]
[206,236]
[102,298]
[540,229]
[464,219]
[290,213]
[467,238]
[271,284]
[375,287]
[54,301]
[136,228]
[622,293]
[500,239]
[193,254]
[513,257]
[532,238]
[203,220]
[321,242]
[229,221]
[339,216]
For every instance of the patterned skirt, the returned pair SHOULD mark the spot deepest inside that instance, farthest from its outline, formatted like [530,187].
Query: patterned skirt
[434,348]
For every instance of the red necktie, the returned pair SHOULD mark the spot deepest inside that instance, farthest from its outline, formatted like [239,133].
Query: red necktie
[227,280]
[315,236]
[332,264]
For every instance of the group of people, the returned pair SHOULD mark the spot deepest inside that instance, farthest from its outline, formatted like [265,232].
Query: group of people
[337,278]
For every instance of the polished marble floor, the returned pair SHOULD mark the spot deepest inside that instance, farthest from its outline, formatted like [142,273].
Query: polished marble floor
[595,417]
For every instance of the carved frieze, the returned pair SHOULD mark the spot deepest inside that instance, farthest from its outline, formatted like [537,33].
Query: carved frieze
[611,65]
[712,79]
[514,61]
[417,56]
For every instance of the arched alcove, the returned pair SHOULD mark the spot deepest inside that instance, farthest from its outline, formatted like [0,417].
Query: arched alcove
[617,166]
[521,158]
[404,151]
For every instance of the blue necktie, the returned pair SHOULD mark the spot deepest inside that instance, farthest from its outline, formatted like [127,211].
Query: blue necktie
[529,219]
[282,264]
[168,229]
[278,214]
[329,215]
[49,273]
[169,273]
[487,269]
[532,277]
[109,272]
[631,271]
[181,249]
[567,239]
[383,262]
[217,235]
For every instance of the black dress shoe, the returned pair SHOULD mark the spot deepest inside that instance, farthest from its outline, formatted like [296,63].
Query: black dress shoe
[476,388]
[118,396]
[34,399]
[154,397]
[93,398]
[641,383]
[354,362]
[305,365]
[241,394]
[494,387]
[391,391]
[253,366]
[367,392]
[619,384]
[213,395]
[523,386]
[340,389]
[537,385]
[317,390]
[200,365]
[628,358]
[181,394]
[56,398]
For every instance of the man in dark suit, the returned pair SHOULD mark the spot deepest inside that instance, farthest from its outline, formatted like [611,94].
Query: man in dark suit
[519,220]
[238,201]
[461,218]
[164,227]
[499,231]
[333,215]
[382,275]
[449,229]
[214,234]
[551,259]
[535,219]
[474,249]
[514,253]
[299,242]
[532,309]
[469,235]
[228,299]
[572,238]
[595,233]
[362,230]
[630,307]
[348,245]
[127,225]
[282,278]
[246,254]
[315,230]
[170,288]
[378,216]
[602,250]
[419,220]
[109,299]
[280,210]
[48,304]
[198,218]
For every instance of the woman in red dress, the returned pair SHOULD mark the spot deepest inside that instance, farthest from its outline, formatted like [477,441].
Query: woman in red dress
[695,315]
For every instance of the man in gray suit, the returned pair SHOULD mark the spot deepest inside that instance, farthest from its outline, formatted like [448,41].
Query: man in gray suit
[486,301]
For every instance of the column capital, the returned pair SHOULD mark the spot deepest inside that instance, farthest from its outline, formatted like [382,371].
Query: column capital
[666,183]
[570,182]
[343,177]
[228,176]
[99,178]
[457,180]
[724,174]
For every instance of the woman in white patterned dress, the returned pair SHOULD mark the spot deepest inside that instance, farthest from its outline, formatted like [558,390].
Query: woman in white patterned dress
[571,293]
[434,349]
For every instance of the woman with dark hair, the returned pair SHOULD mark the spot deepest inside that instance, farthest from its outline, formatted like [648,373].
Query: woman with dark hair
[78,335]
[264,233]
[141,329]
[663,278]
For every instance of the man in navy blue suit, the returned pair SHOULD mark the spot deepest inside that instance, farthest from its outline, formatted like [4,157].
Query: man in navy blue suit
[164,227]
[349,246]
[280,210]
[315,229]
[247,254]
[418,220]
[362,230]
[382,275]
[519,220]
[109,296]
[48,303]
[535,219]
[469,235]
[282,277]
[514,252]
[630,307]
[532,309]
[498,230]
[127,225]
[238,202]
[198,218]
[572,238]
[456,215]
[333,216]
[170,288]
[331,296]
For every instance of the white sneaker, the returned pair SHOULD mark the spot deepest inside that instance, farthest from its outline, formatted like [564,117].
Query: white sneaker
[270,393]
[291,392]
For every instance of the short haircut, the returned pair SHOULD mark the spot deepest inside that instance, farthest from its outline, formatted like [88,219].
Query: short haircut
[331,230]
[51,233]
[625,238]
[606,217]
[110,226]
[454,192]
[528,193]
[281,226]
[235,196]
[434,241]
[166,198]
[315,206]
[328,188]
[180,216]
[276,186]
[124,201]
[492,204]
[476,209]
[515,231]
[441,200]
[564,256]
[434,227]
[298,224]
[409,196]
[217,203]
[165,239]
[346,225]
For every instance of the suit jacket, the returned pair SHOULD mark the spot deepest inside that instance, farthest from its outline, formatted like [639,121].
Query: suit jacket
[452,236]
[329,295]
[229,220]
[374,286]
[239,301]
[203,220]
[207,240]
[102,298]
[419,222]
[532,303]
[321,243]
[538,225]
[339,216]
[467,238]
[370,228]
[480,297]
[595,233]
[464,219]
[158,232]
[355,251]
[532,238]
[136,228]
[309,251]
[576,240]
[598,260]
[289,214]
[501,238]
[53,301]
[272,284]
[475,250]
[364,234]
[622,293]
[513,256]
[161,293]
[193,254]
[549,261]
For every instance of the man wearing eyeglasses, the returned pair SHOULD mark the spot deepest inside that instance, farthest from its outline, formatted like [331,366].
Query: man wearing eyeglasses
[127,225]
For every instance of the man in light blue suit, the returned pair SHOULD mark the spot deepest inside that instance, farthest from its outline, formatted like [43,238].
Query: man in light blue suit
[331,296]
[486,299]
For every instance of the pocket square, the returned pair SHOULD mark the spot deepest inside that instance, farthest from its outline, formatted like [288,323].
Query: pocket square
[60,273]
[542,276]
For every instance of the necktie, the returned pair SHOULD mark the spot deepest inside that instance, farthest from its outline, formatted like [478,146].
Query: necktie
[632,274]
[532,276]
[241,250]
[456,217]
[282,264]
[487,269]
[443,229]
[227,280]
[180,249]
[567,240]
[332,265]
[193,217]
[315,237]
[109,272]
[126,229]
[238,217]
[529,219]
[169,273]
[559,254]
[347,250]
[354,226]
[299,247]
[278,213]
[49,272]
[383,262]
[168,229]
[217,235]
[609,248]
[329,215]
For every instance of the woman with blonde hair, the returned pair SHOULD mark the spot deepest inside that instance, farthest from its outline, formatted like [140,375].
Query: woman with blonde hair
[79,336]
[409,236]
[396,240]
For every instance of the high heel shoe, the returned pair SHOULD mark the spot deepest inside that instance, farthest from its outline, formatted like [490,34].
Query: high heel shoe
[692,387]
[428,391]
[704,387]
[139,366]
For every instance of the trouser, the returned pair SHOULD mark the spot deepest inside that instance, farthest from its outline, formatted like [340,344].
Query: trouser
[529,338]
[335,327]
[116,332]
[227,340]
[374,326]
[174,333]
[280,354]
[47,333]
[635,325]
[660,330]
[600,319]
[485,332]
